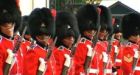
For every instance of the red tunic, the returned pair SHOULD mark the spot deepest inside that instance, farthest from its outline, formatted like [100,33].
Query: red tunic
[127,58]
[60,58]
[31,60]
[51,69]
[72,70]
[116,60]
[80,55]
[97,62]
[17,65]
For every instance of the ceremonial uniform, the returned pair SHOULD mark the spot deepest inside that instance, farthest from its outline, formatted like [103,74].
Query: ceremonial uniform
[41,26]
[80,55]
[10,17]
[130,53]
[31,59]
[60,58]
[88,20]
[116,56]
[127,58]
[102,63]
[7,43]
[97,62]
[67,33]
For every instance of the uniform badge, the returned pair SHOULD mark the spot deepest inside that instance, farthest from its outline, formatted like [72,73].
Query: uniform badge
[128,58]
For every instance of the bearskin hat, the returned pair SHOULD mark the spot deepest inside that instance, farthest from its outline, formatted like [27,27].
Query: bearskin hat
[105,19]
[88,18]
[66,25]
[10,13]
[130,25]
[41,22]
[116,26]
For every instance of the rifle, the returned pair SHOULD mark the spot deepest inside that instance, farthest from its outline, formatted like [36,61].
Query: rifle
[15,49]
[110,39]
[89,59]
[48,55]
[73,49]
[33,43]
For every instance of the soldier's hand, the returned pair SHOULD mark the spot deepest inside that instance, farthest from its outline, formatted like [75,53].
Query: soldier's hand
[42,65]
[10,56]
[68,60]
[105,57]
[89,53]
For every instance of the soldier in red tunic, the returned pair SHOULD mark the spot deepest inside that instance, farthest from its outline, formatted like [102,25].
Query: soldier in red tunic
[10,17]
[88,20]
[130,54]
[101,61]
[67,33]
[115,52]
[42,29]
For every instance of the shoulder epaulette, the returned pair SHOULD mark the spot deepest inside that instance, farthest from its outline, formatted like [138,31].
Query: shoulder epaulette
[0,38]
[83,40]
[61,47]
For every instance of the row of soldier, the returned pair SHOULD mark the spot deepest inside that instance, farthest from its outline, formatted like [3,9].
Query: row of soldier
[84,43]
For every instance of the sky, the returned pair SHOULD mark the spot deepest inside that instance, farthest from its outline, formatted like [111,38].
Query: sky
[26,5]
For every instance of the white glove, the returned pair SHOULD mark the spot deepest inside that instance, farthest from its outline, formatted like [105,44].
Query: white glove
[42,65]
[89,53]
[116,49]
[136,55]
[10,56]
[68,60]
[105,57]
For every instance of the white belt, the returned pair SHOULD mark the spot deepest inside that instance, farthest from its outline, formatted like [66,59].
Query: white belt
[93,70]
[118,60]
[137,68]
[108,70]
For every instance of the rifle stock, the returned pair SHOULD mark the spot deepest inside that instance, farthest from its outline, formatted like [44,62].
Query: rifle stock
[110,39]
[6,69]
[65,70]
[73,49]
[50,48]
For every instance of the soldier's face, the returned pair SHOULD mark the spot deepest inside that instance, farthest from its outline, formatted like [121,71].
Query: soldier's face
[68,41]
[118,36]
[134,38]
[43,39]
[90,33]
[27,36]
[8,29]
[103,34]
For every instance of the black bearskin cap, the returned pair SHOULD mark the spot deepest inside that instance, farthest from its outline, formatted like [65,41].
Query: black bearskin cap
[88,18]
[130,25]
[116,26]
[41,22]
[105,19]
[10,13]
[66,25]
